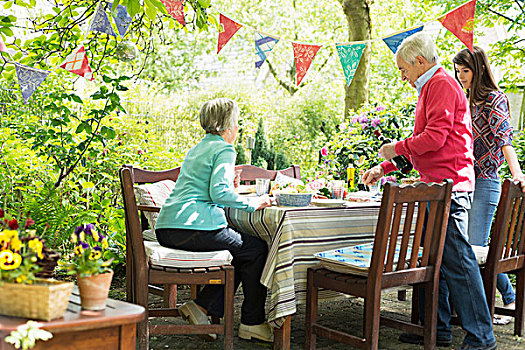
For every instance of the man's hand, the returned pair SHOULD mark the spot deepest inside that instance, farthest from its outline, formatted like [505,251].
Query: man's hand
[371,176]
[387,151]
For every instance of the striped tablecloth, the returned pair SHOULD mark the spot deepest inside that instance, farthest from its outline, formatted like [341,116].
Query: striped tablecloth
[294,235]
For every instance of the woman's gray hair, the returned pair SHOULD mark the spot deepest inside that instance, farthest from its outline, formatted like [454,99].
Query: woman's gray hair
[419,44]
[218,115]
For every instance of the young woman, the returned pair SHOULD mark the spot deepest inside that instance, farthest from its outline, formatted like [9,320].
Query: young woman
[492,144]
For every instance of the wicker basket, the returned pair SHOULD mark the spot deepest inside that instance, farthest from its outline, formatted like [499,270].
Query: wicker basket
[46,299]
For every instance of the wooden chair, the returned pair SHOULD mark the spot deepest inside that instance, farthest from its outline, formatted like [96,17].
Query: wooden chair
[506,253]
[250,173]
[140,273]
[384,271]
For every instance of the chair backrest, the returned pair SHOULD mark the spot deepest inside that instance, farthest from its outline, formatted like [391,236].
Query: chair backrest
[394,237]
[250,173]
[129,176]
[507,242]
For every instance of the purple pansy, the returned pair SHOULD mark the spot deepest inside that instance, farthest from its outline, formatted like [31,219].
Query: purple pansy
[88,228]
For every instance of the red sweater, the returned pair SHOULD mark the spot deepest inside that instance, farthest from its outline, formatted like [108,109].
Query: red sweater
[441,145]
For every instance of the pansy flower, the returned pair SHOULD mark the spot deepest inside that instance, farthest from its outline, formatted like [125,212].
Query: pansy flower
[36,245]
[96,253]
[9,260]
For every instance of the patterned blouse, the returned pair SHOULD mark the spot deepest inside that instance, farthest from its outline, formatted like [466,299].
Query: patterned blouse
[492,130]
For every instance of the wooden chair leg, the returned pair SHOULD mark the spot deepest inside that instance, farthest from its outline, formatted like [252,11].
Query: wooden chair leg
[141,293]
[371,320]
[402,295]
[194,288]
[414,317]
[228,309]
[170,296]
[311,311]
[519,313]
[431,304]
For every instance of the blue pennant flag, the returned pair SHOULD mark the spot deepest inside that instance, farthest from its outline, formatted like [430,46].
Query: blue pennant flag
[29,79]
[263,45]
[350,56]
[122,19]
[100,22]
[395,40]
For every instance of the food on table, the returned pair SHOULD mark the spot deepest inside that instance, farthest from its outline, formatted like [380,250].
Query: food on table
[359,196]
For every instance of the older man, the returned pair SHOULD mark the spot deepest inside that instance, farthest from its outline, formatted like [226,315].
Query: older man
[441,148]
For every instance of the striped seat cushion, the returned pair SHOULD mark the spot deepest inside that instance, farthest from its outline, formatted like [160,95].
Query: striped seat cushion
[168,257]
[153,194]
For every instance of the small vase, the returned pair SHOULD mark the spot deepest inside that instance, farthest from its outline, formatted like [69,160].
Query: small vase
[94,290]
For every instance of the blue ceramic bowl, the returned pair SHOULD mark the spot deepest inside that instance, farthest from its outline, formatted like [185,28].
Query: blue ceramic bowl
[293,199]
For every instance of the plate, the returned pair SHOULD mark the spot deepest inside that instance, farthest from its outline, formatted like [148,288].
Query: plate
[245,189]
[328,202]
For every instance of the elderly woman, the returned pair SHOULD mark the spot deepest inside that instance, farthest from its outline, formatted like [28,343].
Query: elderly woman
[193,219]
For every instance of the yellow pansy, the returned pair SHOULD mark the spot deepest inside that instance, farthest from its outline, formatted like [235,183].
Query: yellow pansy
[79,250]
[11,233]
[21,279]
[95,235]
[9,260]
[16,244]
[105,243]
[4,240]
[82,235]
[36,245]
[95,254]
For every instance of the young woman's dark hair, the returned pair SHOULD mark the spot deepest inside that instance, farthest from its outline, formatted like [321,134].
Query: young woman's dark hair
[483,81]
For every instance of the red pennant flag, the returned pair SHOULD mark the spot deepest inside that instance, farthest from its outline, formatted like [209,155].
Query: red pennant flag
[304,55]
[2,47]
[77,62]
[176,9]
[460,22]
[229,28]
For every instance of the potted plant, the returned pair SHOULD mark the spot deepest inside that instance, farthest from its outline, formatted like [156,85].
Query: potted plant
[22,294]
[93,272]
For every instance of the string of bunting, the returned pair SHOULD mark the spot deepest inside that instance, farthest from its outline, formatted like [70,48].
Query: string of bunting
[459,21]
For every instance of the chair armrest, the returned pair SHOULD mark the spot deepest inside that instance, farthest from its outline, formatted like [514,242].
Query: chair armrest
[151,208]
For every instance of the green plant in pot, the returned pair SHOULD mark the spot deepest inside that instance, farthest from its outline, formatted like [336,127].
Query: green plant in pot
[94,274]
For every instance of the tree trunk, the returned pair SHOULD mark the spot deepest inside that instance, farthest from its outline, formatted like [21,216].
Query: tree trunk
[357,13]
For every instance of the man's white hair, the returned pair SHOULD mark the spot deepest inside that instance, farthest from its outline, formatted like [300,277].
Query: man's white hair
[419,44]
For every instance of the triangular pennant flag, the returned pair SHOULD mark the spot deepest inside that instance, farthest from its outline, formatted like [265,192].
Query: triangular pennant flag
[350,56]
[77,62]
[303,55]
[122,19]
[460,22]
[229,28]
[393,41]
[176,9]
[2,46]
[263,45]
[29,79]
[100,22]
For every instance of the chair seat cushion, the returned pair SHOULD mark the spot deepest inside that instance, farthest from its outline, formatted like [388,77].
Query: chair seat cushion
[481,253]
[149,235]
[168,257]
[354,259]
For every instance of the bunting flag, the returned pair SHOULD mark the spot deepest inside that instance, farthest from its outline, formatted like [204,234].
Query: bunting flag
[460,22]
[229,28]
[303,55]
[77,62]
[122,20]
[2,46]
[100,22]
[263,45]
[29,79]
[393,41]
[176,9]
[350,56]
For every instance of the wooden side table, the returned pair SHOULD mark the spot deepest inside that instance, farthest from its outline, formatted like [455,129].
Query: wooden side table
[112,328]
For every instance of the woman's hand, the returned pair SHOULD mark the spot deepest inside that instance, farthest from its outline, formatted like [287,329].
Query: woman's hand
[237,179]
[263,202]
[521,179]
[371,176]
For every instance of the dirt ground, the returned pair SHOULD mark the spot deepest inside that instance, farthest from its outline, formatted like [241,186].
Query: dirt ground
[345,315]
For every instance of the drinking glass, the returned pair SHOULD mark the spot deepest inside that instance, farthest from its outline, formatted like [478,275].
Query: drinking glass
[337,189]
[375,188]
[261,186]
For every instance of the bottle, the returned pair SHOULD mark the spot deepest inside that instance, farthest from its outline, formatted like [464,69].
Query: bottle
[401,162]
[360,185]
[350,173]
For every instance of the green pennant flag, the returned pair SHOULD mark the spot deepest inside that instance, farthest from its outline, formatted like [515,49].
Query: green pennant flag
[350,55]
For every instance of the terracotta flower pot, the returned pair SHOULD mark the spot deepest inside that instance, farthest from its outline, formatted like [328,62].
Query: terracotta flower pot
[94,290]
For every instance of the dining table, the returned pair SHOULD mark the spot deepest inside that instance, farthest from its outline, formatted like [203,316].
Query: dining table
[294,235]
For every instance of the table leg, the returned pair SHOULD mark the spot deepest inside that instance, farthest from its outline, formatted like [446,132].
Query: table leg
[281,340]
[128,336]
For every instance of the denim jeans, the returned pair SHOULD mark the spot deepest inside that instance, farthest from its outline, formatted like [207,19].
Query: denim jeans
[460,281]
[486,198]
[249,255]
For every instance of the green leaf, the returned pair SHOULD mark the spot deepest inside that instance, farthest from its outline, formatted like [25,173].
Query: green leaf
[106,79]
[151,10]
[76,98]
[80,128]
[205,3]
[133,7]
[87,184]
[8,5]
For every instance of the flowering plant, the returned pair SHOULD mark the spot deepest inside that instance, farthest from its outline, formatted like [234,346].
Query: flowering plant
[88,256]
[20,251]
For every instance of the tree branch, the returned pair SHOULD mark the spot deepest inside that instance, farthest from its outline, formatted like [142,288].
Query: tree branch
[292,89]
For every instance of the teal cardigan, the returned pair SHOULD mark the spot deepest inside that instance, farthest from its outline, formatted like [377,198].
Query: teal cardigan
[204,187]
